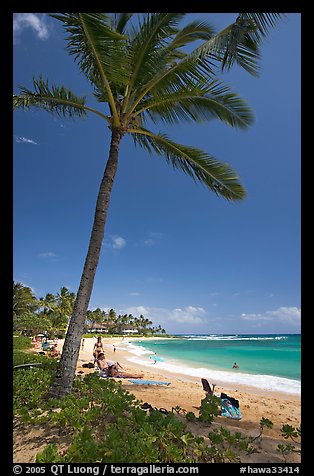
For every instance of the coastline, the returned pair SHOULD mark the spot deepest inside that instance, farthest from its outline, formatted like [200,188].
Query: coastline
[255,383]
[254,398]
[185,392]
[133,354]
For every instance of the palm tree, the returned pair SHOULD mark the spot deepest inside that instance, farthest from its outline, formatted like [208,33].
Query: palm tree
[143,76]
[65,301]
[48,303]
[23,300]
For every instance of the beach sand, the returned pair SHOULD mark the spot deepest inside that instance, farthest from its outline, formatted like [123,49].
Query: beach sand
[186,393]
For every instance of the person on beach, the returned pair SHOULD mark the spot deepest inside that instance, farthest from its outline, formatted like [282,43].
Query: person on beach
[54,352]
[114,348]
[113,371]
[98,348]
[83,342]
[110,368]
[235,366]
[154,358]
[103,363]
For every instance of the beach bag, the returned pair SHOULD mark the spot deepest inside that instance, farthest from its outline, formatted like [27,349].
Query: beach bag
[89,365]
[232,400]
[230,411]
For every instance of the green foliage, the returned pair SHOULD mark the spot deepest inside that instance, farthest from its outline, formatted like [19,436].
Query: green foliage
[285,450]
[190,416]
[21,343]
[23,300]
[29,389]
[49,455]
[210,408]
[32,316]
[264,423]
[54,99]
[289,431]
[226,443]
[31,323]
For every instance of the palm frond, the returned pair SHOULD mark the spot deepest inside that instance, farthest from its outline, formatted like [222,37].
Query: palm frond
[245,38]
[121,21]
[216,175]
[147,47]
[199,103]
[163,51]
[263,22]
[99,51]
[240,41]
[196,30]
[183,73]
[58,100]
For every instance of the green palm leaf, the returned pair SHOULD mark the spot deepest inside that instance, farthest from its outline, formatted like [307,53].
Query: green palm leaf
[120,21]
[240,41]
[55,99]
[196,30]
[148,51]
[99,51]
[202,102]
[202,167]
[93,43]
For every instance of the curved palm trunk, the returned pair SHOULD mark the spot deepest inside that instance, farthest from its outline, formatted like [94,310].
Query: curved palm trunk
[62,384]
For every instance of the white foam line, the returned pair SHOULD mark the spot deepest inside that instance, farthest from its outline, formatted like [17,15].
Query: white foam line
[213,337]
[265,382]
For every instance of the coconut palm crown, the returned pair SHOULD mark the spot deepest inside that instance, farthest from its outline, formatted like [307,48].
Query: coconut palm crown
[141,76]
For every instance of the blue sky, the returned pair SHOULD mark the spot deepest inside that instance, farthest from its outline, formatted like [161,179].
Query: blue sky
[173,251]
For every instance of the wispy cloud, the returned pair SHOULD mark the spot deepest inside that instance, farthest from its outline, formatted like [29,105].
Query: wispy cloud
[30,20]
[115,242]
[189,314]
[184,315]
[153,238]
[288,315]
[24,140]
[135,293]
[47,254]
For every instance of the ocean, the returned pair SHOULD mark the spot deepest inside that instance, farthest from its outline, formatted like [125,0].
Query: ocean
[269,361]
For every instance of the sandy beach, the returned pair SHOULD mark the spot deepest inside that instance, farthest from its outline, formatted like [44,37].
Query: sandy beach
[186,392]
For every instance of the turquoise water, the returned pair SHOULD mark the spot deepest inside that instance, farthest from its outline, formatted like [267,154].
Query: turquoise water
[267,360]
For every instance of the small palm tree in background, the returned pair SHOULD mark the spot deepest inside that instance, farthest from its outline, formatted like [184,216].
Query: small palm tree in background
[141,76]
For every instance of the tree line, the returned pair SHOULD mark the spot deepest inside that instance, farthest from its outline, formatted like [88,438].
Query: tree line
[51,314]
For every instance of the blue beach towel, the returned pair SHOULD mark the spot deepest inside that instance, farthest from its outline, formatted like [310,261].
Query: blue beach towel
[147,382]
[230,411]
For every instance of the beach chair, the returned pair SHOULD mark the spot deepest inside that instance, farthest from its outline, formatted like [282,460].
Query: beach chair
[206,387]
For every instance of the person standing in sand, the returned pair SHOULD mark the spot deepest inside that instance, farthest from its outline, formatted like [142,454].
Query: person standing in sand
[98,348]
